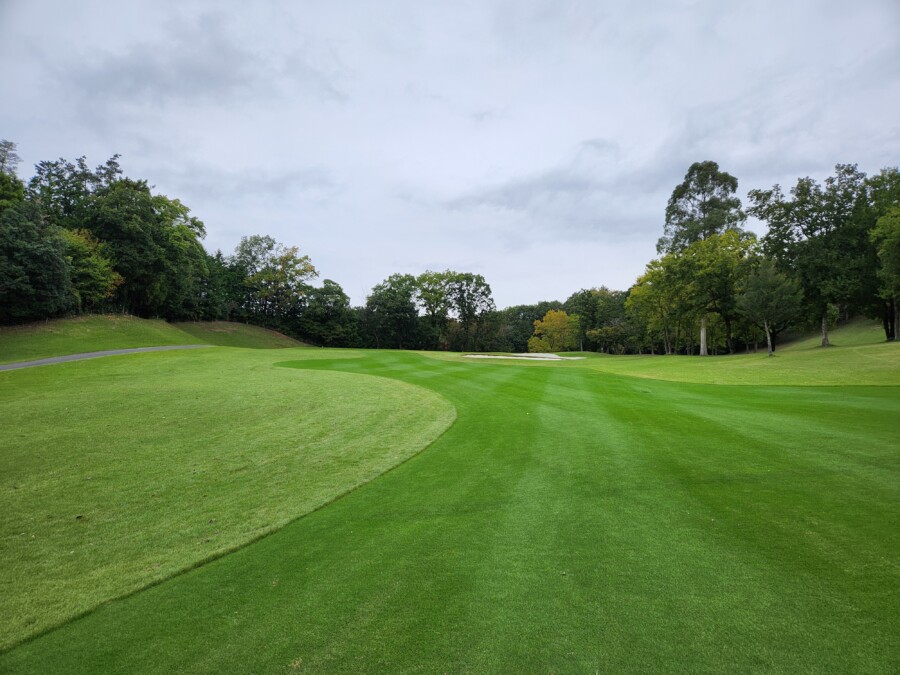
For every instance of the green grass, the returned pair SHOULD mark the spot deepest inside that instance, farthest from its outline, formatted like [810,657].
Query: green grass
[230,334]
[856,333]
[119,331]
[117,473]
[871,365]
[572,519]
[859,355]
[87,334]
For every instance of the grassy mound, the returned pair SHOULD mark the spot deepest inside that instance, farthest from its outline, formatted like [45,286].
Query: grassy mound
[230,334]
[570,520]
[118,473]
[119,331]
[87,334]
[856,333]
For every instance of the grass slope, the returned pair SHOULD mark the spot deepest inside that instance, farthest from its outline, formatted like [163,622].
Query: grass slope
[120,331]
[871,365]
[230,334]
[87,334]
[856,333]
[117,473]
[859,356]
[570,520]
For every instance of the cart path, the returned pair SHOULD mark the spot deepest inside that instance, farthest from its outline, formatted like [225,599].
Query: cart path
[94,355]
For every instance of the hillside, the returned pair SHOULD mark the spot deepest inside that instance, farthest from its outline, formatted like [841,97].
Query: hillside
[230,334]
[859,355]
[119,331]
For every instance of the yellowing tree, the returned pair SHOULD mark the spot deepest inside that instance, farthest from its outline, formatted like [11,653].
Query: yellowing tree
[556,332]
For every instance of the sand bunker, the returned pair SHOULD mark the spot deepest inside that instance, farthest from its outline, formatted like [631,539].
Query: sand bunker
[525,357]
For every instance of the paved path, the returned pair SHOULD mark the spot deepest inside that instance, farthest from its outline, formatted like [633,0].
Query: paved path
[94,355]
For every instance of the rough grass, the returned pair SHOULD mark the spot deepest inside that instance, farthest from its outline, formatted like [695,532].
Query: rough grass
[120,331]
[856,333]
[230,334]
[118,473]
[87,334]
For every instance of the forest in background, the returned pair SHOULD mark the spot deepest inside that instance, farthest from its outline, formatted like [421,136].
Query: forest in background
[75,239]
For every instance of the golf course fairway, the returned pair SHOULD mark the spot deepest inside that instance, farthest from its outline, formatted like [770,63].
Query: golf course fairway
[569,520]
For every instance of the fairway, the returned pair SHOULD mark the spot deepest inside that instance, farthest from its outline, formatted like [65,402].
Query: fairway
[569,520]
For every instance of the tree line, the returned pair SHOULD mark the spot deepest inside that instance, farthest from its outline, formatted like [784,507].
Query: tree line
[75,239]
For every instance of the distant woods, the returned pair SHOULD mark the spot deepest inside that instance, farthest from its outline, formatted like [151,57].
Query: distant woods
[76,239]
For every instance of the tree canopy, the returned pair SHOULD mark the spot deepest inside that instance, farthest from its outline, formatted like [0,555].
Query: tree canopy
[79,239]
[702,205]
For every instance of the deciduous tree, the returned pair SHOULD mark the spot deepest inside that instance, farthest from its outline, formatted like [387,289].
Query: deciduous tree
[702,205]
[769,299]
[556,332]
[820,236]
[391,316]
[34,273]
[328,320]
[886,238]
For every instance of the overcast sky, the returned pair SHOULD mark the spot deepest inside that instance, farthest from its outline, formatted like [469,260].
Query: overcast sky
[535,143]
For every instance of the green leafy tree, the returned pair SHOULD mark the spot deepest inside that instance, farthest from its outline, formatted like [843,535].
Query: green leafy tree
[391,317]
[61,189]
[280,287]
[123,216]
[583,304]
[328,319]
[602,318]
[702,205]
[222,291]
[659,302]
[884,200]
[184,260]
[276,281]
[12,191]
[433,296]
[770,300]
[94,280]
[711,270]
[34,274]
[820,237]
[886,238]
[470,301]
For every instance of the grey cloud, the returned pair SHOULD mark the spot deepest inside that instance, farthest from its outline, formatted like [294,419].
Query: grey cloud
[238,186]
[524,194]
[199,61]
[591,196]
[202,61]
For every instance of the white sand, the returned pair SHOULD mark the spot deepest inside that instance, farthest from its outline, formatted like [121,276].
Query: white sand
[525,357]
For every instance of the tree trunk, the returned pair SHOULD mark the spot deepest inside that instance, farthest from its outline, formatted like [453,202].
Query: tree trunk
[729,341]
[890,320]
[825,342]
[703,350]
[896,303]
[769,338]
